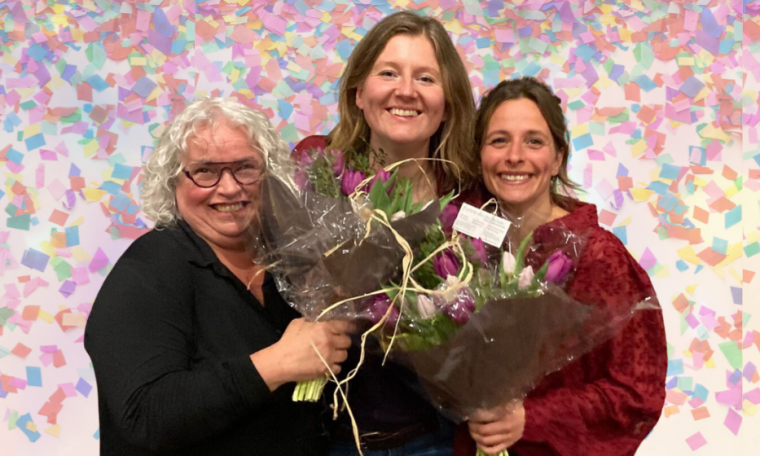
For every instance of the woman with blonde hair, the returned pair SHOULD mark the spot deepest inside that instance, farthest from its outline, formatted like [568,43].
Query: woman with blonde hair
[404,95]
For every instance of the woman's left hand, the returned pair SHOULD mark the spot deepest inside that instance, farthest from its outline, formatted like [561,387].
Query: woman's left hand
[497,429]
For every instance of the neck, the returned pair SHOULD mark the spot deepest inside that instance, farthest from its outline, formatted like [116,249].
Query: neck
[418,170]
[526,219]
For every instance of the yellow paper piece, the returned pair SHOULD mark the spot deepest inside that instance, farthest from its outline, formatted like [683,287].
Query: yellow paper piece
[580,130]
[688,254]
[54,430]
[719,271]
[735,274]
[714,133]
[710,364]
[93,194]
[754,236]
[90,148]
[749,408]
[638,148]
[74,319]
[731,191]
[46,316]
[31,426]
[32,130]
[663,273]
[686,61]
[77,222]
[626,221]
[80,254]
[48,248]
[641,194]
[688,353]
[690,289]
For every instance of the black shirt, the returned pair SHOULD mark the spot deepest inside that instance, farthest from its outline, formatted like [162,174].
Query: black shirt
[170,336]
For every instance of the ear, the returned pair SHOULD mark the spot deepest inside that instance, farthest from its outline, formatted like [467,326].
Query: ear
[557,165]
[359,102]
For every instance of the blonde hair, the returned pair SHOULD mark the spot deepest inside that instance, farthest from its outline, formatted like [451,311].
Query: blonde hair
[453,139]
[165,162]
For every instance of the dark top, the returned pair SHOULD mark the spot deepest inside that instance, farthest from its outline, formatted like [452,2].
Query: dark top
[606,402]
[170,336]
[385,399]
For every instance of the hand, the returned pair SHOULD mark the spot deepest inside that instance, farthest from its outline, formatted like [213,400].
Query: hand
[497,429]
[293,357]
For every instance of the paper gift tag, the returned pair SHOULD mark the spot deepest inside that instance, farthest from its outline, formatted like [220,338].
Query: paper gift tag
[479,224]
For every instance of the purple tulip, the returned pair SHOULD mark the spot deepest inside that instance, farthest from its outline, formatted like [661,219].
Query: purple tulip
[446,264]
[303,159]
[378,307]
[380,176]
[351,180]
[462,308]
[448,216]
[338,162]
[480,250]
[559,267]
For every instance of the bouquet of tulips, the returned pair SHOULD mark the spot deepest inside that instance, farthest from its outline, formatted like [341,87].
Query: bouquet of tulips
[477,324]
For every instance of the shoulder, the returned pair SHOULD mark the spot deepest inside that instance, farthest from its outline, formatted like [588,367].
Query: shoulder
[311,142]
[165,243]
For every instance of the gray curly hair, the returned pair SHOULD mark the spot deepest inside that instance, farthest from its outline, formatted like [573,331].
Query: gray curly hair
[165,162]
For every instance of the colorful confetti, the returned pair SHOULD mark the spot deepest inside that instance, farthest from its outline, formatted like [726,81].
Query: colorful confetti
[663,103]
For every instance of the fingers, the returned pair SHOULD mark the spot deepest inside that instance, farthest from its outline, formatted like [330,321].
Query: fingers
[341,327]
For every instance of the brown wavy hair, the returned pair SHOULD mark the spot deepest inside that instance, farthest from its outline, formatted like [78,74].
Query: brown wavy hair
[551,109]
[453,139]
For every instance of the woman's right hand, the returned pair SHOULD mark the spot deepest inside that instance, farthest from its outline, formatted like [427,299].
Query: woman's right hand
[293,358]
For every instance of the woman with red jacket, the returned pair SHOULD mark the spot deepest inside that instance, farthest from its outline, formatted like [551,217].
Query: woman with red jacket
[606,402]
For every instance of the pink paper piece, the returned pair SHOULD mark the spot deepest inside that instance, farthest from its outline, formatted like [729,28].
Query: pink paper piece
[733,421]
[647,259]
[68,389]
[696,441]
[732,397]
[99,261]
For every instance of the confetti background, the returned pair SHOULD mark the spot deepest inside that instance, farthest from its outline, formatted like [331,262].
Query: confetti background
[662,98]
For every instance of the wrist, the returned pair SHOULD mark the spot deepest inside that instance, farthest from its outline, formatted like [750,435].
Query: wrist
[267,363]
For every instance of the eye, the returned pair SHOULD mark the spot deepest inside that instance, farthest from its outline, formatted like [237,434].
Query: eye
[536,142]
[497,140]
[427,79]
[386,73]
[202,170]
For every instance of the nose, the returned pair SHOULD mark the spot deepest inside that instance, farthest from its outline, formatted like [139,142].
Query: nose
[513,154]
[406,87]
[227,184]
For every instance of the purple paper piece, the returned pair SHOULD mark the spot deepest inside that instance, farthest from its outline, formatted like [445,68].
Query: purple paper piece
[712,45]
[590,75]
[70,200]
[736,294]
[99,261]
[617,203]
[672,383]
[144,86]
[35,260]
[709,24]
[692,321]
[42,75]
[749,371]
[161,23]
[735,377]
[160,42]
[691,87]
[733,421]
[49,348]
[67,288]
[83,387]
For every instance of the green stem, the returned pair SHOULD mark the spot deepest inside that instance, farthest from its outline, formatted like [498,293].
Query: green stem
[482,453]
[310,390]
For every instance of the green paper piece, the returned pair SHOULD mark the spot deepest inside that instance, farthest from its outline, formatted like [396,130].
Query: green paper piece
[732,353]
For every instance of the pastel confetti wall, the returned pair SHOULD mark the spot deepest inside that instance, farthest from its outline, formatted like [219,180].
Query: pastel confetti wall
[663,99]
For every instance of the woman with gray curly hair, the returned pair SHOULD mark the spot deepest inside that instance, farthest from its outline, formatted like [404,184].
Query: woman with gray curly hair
[194,350]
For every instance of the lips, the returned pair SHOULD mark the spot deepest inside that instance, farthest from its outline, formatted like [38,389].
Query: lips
[514,177]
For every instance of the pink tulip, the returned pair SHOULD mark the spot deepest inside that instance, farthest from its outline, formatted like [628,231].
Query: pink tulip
[351,180]
[559,267]
[525,279]
[480,250]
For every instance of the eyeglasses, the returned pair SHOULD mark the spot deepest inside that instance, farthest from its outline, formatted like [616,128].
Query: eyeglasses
[209,174]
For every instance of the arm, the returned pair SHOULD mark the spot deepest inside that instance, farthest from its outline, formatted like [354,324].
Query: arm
[616,397]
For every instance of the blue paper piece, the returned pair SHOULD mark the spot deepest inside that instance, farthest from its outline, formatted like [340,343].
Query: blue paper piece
[72,236]
[33,376]
[735,377]
[120,201]
[36,52]
[14,156]
[681,265]
[621,233]
[621,171]
[646,84]
[736,294]
[286,109]
[691,87]
[701,392]
[675,367]
[584,52]
[33,142]
[22,422]
[35,260]
[344,49]
[734,216]
[121,171]
[111,187]
[658,187]
[144,86]
[668,202]
[74,171]
[669,171]
[583,141]
[720,245]
[97,83]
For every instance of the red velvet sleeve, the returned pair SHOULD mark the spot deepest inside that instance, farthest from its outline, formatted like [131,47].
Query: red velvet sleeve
[608,401]
[310,142]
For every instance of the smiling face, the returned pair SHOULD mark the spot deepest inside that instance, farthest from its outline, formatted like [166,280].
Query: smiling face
[519,158]
[402,98]
[220,214]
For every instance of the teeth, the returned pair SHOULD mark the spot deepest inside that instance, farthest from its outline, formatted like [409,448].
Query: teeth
[228,207]
[512,177]
[404,112]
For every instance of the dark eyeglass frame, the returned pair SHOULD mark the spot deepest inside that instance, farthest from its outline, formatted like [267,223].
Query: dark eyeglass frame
[221,173]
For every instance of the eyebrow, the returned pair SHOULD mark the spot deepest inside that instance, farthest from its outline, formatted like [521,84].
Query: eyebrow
[423,69]
[529,132]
